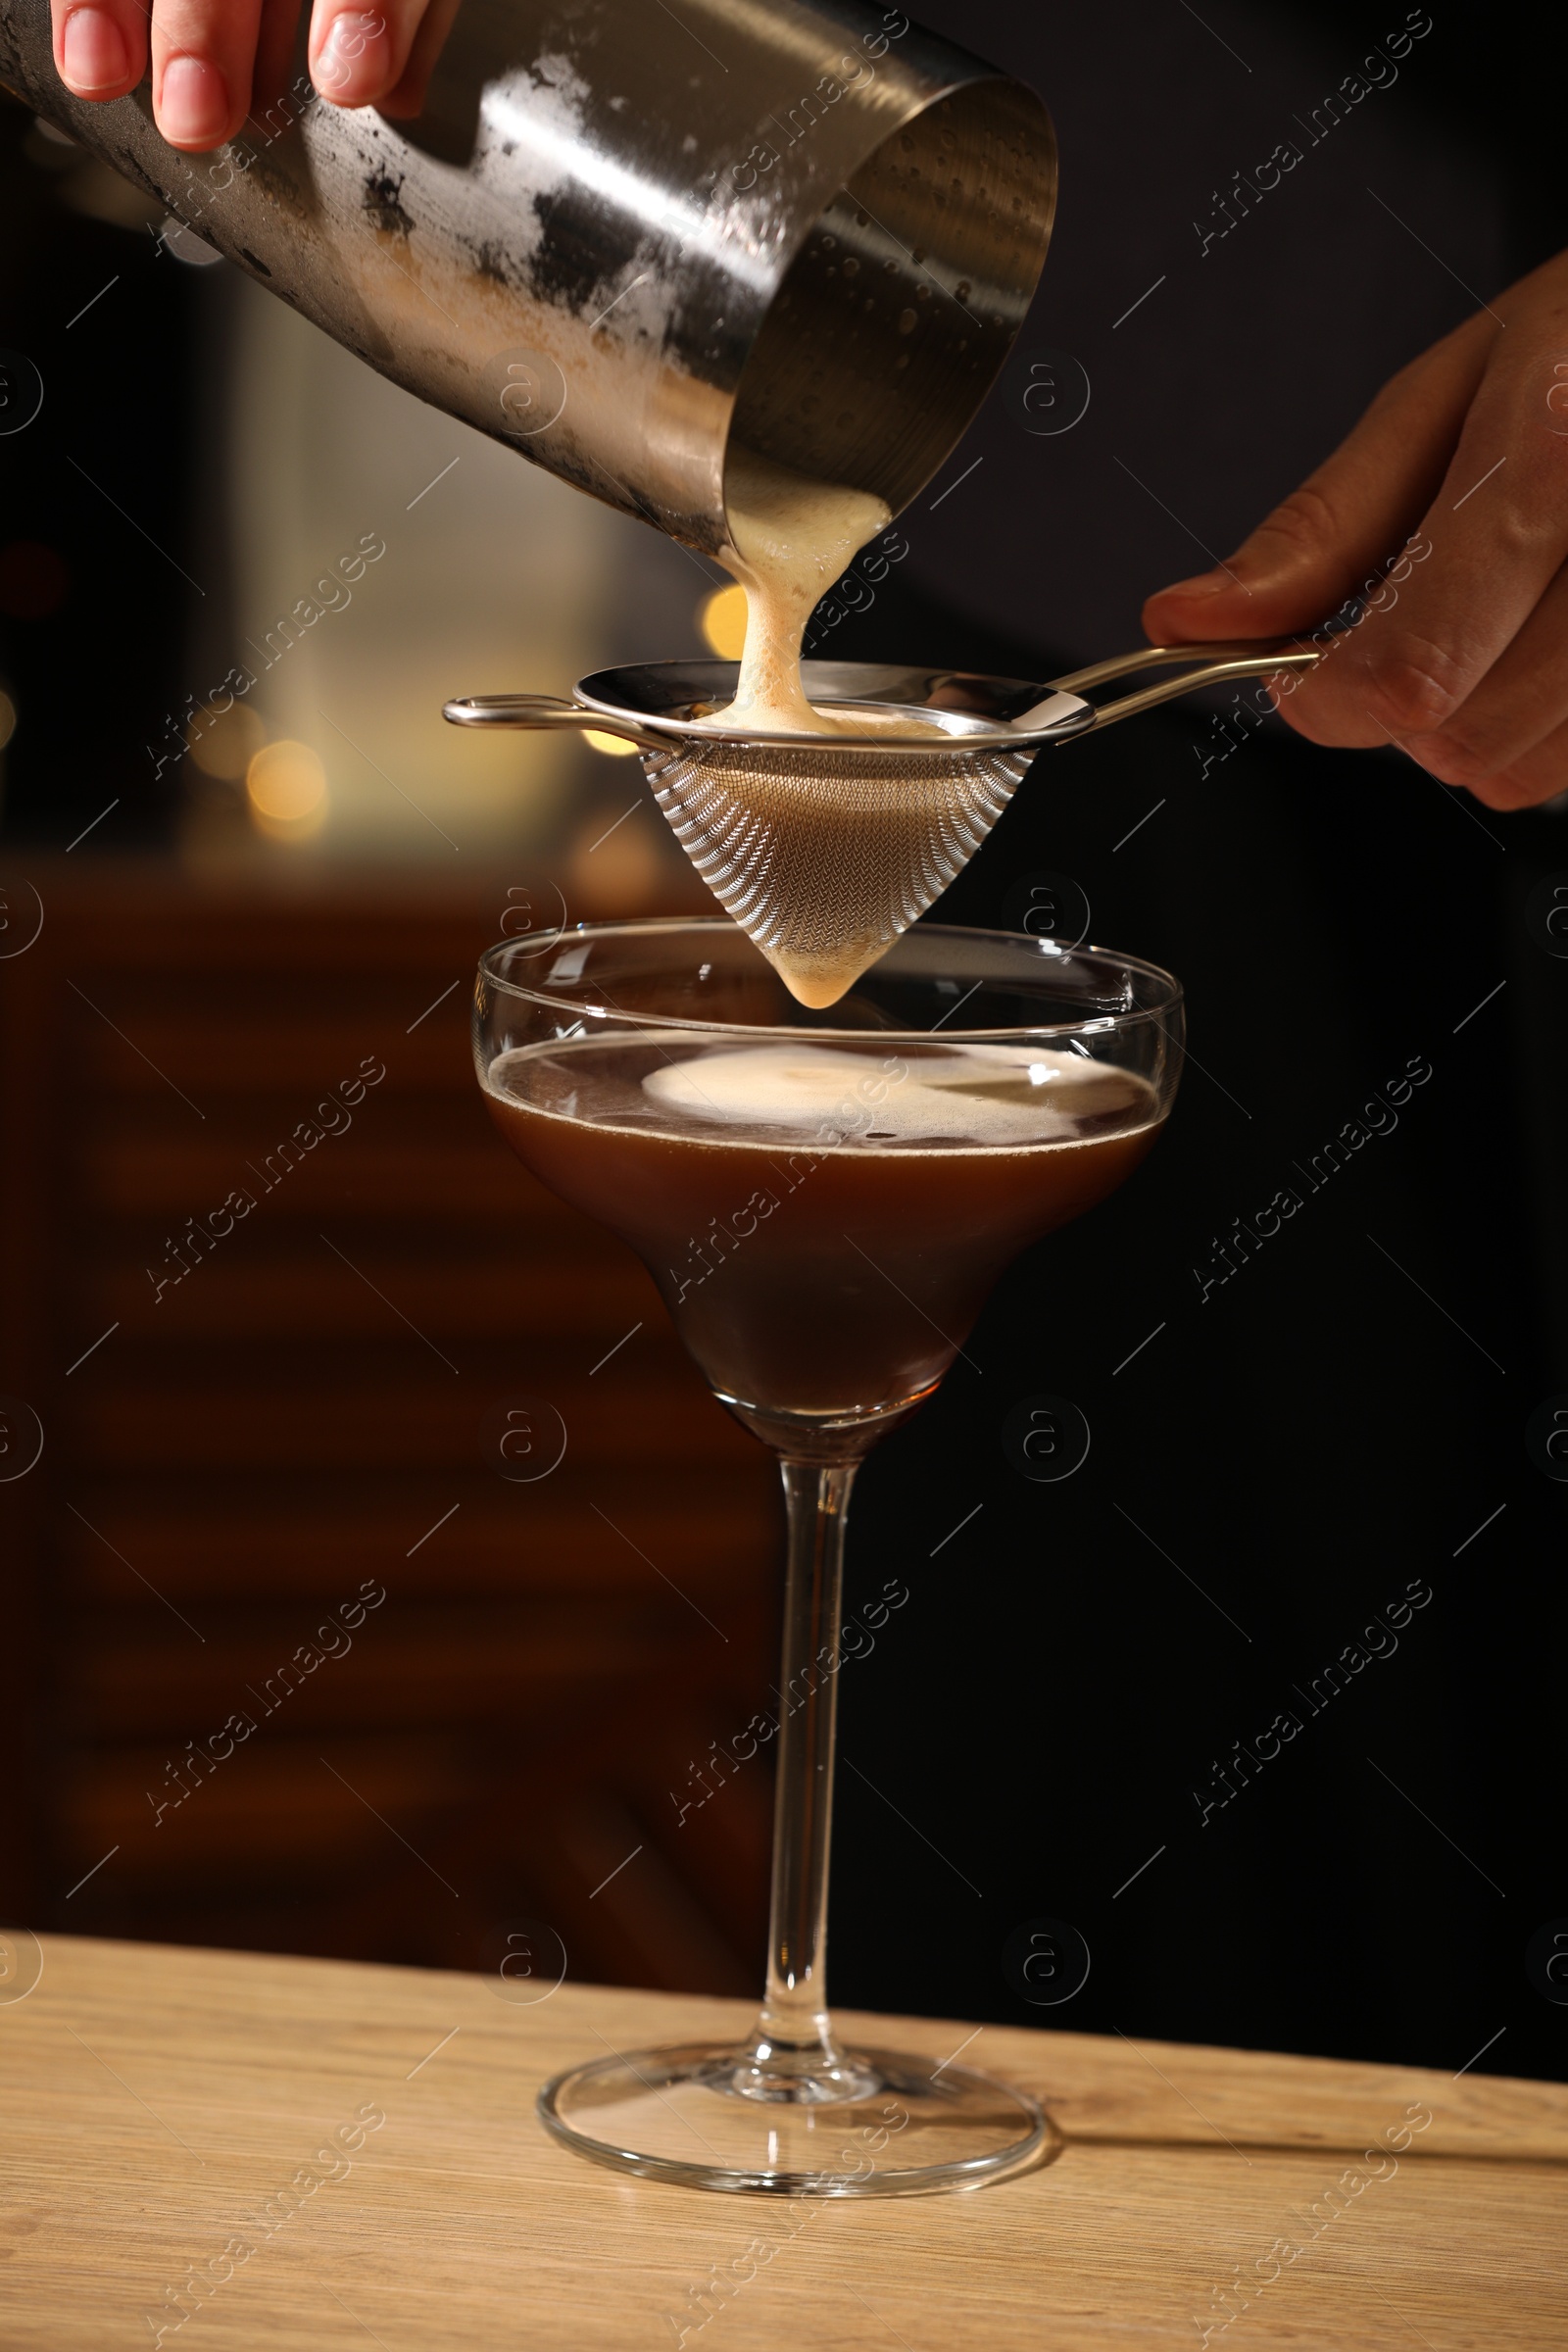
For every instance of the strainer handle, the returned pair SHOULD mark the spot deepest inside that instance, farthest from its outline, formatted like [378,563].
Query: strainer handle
[1214,662]
[539,710]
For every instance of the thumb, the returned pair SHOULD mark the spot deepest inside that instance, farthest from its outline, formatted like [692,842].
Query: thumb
[1334,534]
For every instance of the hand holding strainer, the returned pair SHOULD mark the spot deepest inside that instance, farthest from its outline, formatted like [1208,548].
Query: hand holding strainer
[824,848]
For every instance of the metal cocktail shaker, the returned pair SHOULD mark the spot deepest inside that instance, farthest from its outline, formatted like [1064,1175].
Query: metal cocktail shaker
[616,235]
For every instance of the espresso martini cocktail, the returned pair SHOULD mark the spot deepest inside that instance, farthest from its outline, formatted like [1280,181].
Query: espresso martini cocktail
[824,1218]
[824,1148]
[824,1198]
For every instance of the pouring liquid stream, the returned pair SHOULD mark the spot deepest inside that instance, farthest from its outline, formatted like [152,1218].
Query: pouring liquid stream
[793,538]
[790,539]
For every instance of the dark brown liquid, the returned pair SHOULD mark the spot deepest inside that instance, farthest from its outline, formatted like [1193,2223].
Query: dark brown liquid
[828,1267]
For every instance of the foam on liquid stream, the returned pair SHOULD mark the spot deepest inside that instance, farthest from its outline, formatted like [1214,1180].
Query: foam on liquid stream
[793,538]
[829,849]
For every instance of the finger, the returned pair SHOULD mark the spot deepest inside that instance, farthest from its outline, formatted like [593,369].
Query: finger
[1498,531]
[1518,706]
[100,47]
[203,54]
[1346,519]
[406,100]
[358,48]
[1539,774]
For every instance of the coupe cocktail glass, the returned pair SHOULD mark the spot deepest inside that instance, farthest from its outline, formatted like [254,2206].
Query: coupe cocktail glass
[824,1200]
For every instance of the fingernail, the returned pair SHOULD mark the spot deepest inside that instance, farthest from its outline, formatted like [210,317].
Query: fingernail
[351,58]
[193,104]
[93,51]
[1202,584]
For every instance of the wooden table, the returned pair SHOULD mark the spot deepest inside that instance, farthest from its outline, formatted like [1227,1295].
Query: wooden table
[163,2109]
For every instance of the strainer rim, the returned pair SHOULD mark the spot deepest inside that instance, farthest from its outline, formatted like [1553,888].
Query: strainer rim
[830,683]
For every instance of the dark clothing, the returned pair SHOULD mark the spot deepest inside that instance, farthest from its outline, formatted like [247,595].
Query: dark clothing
[1331,1403]
[1241,259]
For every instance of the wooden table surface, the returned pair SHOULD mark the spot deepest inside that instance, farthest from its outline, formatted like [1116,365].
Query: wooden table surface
[167,2115]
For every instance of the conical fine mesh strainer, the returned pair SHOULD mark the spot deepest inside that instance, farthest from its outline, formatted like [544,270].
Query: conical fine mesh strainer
[824,848]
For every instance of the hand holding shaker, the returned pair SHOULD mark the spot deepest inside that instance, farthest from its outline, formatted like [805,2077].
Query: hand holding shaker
[613,237]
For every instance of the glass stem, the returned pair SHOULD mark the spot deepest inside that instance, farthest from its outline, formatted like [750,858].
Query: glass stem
[794,2038]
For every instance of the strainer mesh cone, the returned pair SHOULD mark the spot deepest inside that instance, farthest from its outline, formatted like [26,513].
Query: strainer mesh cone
[823,858]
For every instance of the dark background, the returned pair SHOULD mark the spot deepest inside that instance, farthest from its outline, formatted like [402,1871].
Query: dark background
[1285,1456]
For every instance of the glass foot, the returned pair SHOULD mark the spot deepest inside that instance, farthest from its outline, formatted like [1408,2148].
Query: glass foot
[685,2115]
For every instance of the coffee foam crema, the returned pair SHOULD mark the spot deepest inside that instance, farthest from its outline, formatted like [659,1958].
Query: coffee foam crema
[835,855]
[791,538]
[983,1096]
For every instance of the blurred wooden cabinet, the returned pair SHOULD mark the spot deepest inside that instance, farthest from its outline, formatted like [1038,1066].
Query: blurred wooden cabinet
[304,1414]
